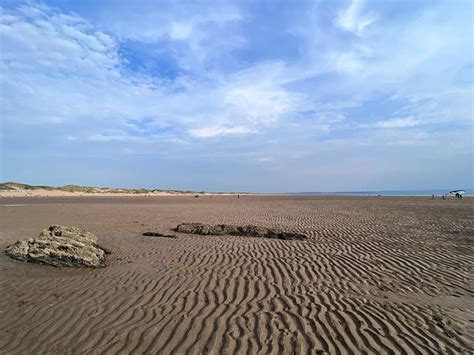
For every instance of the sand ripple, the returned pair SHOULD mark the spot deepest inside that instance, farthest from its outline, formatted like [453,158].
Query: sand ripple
[377,276]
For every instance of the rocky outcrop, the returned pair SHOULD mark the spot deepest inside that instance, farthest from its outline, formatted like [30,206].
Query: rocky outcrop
[247,231]
[60,246]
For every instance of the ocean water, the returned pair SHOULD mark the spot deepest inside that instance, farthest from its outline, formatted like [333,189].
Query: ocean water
[469,192]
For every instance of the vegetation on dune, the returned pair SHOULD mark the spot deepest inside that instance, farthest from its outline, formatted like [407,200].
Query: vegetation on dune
[70,188]
[18,186]
[77,188]
[9,186]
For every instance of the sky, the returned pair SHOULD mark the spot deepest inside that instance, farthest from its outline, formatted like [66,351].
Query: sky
[263,96]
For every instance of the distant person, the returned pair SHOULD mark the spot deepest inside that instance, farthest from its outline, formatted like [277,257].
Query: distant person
[444,197]
[238,196]
[432,196]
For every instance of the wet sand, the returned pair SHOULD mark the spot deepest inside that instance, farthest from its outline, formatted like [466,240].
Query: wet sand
[378,275]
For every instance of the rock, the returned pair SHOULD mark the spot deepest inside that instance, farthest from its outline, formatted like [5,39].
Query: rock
[60,246]
[194,228]
[245,231]
[158,234]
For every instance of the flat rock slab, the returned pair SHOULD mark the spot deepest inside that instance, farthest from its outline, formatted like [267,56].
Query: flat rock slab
[158,234]
[245,231]
[60,246]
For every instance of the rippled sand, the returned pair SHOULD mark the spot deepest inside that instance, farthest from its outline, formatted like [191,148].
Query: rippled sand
[379,275]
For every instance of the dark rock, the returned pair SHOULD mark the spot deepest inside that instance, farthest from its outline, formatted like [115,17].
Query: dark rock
[194,228]
[157,234]
[244,231]
[60,246]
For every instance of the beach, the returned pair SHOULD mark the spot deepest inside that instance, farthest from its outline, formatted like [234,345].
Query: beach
[376,275]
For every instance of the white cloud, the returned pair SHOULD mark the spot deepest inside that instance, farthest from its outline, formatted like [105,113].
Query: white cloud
[59,69]
[123,137]
[179,21]
[260,104]
[209,132]
[53,42]
[353,19]
[196,35]
[398,123]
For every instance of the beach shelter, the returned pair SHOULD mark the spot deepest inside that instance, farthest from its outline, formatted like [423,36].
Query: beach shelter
[457,192]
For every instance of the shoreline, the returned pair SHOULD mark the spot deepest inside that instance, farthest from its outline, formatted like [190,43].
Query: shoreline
[58,193]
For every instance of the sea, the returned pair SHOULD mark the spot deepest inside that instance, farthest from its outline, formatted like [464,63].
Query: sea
[436,192]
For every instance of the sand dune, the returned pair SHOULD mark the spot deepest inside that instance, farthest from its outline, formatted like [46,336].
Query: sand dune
[378,275]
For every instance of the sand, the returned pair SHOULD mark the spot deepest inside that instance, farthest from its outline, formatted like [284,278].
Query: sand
[378,275]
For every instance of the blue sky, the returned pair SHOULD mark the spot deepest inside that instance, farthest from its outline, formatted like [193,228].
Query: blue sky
[238,95]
